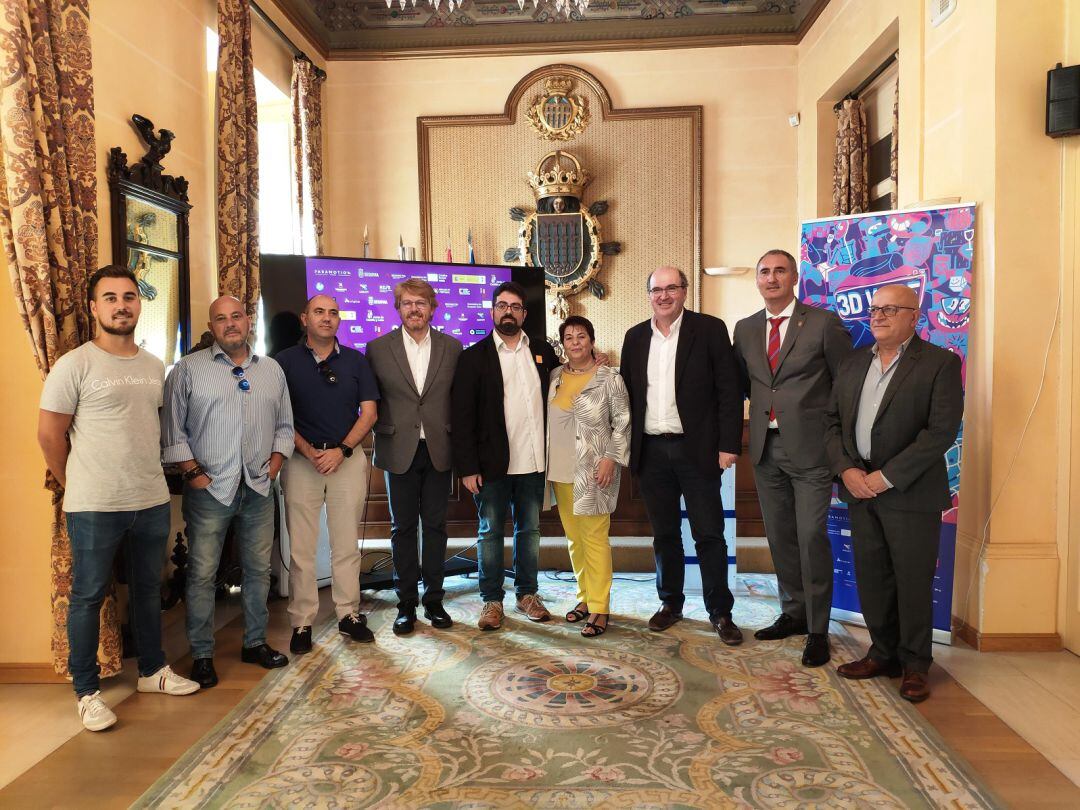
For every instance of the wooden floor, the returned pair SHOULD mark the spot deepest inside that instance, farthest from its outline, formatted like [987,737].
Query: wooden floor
[114,768]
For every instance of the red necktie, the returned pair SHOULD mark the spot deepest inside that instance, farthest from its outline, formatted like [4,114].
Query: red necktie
[774,350]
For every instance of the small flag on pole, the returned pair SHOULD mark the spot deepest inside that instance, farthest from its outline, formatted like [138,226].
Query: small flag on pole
[365,242]
[401,248]
[449,252]
[472,255]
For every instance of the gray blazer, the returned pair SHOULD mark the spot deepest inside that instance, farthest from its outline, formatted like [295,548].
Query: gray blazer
[916,424]
[815,343]
[402,409]
[602,413]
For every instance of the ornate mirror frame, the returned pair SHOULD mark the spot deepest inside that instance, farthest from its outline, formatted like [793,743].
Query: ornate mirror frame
[150,234]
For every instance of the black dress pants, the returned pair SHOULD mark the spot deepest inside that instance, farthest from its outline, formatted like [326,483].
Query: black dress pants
[418,496]
[667,472]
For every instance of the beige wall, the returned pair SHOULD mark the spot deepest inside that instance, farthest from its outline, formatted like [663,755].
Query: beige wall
[749,149]
[971,99]
[151,61]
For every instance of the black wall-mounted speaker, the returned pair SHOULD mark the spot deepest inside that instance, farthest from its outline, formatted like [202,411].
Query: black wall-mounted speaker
[1063,101]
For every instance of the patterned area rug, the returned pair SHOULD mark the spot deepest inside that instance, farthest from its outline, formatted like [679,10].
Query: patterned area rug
[536,716]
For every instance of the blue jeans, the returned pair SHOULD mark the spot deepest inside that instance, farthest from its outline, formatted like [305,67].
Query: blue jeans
[252,516]
[95,538]
[523,495]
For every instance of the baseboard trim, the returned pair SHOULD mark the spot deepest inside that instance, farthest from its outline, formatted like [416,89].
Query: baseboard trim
[30,673]
[1005,642]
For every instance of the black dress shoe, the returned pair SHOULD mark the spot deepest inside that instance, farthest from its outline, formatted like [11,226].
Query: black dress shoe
[301,640]
[405,621]
[438,617]
[202,672]
[355,627]
[783,627]
[264,655]
[729,633]
[664,618]
[816,652]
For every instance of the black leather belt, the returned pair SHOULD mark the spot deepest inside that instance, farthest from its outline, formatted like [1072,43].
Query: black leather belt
[325,445]
[774,431]
[667,437]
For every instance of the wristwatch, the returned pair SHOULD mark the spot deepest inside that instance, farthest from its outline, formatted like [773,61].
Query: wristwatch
[345,450]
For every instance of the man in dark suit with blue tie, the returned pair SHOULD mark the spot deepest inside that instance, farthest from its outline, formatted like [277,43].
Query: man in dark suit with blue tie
[789,354]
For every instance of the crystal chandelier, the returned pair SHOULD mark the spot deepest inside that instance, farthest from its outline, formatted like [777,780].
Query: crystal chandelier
[564,7]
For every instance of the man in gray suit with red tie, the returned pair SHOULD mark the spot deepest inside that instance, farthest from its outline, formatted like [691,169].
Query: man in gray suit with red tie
[789,354]
[415,366]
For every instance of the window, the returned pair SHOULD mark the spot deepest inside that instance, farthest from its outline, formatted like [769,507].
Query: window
[877,100]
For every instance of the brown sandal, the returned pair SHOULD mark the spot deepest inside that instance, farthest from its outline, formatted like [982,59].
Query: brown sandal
[594,630]
[577,614]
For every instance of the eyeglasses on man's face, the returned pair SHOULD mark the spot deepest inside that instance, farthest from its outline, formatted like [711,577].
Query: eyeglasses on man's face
[889,310]
[670,289]
[502,306]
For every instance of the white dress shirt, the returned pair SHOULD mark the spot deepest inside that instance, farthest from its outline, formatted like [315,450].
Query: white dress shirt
[523,406]
[875,384]
[786,314]
[419,356]
[661,412]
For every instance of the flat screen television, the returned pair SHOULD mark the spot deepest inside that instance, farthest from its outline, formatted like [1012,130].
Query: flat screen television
[364,291]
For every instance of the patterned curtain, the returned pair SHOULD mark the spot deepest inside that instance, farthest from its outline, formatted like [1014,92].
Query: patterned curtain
[850,194]
[48,222]
[894,161]
[237,158]
[307,82]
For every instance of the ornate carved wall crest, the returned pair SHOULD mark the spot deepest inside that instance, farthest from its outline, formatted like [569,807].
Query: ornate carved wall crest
[560,236]
[557,115]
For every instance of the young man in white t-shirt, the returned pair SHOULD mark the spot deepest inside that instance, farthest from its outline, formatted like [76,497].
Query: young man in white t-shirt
[105,395]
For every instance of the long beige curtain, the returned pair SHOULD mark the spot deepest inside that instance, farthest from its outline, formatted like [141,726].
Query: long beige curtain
[850,194]
[306,92]
[48,222]
[237,157]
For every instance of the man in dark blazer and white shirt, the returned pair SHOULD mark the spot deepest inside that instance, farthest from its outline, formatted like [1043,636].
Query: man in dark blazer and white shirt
[686,429]
[415,366]
[499,422]
[789,353]
[895,410]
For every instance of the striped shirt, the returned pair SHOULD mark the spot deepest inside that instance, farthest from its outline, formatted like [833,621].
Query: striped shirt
[229,431]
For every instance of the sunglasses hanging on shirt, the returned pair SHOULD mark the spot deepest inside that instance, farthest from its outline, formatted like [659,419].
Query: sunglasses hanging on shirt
[328,373]
[241,382]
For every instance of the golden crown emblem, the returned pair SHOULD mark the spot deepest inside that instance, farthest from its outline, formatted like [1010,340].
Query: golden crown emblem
[558,85]
[553,178]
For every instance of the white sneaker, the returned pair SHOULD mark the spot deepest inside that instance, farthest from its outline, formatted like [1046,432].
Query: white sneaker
[167,682]
[93,712]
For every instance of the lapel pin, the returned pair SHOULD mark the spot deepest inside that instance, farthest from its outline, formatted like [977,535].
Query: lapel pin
[539,360]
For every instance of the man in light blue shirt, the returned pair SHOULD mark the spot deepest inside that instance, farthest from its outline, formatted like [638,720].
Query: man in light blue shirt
[228,423]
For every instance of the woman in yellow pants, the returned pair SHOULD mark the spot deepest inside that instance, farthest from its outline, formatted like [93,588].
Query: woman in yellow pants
[588,443]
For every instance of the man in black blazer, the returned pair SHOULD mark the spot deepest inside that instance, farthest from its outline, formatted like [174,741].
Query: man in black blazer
[895,410]
[414,366]
[686,429]
[497,434]
[789,353]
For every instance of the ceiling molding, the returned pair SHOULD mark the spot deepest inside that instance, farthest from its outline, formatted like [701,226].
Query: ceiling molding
[604,36]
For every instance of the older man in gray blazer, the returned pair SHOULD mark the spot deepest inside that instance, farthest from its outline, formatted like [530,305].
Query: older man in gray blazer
[789,354]
[415,366]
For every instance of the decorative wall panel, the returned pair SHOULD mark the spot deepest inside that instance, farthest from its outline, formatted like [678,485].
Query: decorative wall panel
[647,164]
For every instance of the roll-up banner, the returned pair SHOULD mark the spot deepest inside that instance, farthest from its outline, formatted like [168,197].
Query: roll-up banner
[842,262]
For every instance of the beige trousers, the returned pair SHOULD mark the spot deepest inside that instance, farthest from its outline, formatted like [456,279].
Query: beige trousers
[343,492]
